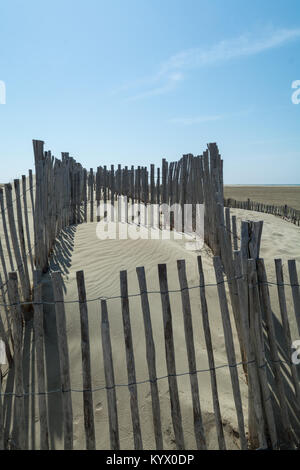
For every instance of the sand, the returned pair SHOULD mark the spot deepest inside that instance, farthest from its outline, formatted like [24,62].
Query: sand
[274,195]
[80,249]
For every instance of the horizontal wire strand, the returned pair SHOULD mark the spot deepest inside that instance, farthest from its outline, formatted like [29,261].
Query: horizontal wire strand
[139,382]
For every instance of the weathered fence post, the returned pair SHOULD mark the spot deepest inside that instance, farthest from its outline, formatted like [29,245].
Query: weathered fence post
[5,231]
[63,360]
[286,326]
[86,365]
[1,417]
[295,290]
[268,318]
[38,320]
[151,359]
[24,278]
[189,339]
[256,337]
[109,379]
[138,443]
[17,320]
[211,360]
[256,422]
[230,351]
[170,357]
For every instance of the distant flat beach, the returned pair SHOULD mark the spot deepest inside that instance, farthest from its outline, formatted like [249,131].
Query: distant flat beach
[275,195]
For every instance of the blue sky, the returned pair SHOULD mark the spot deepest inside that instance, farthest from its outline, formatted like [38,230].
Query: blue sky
[132,81]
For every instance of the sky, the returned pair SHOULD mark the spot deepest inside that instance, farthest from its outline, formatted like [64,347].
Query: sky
[135,81]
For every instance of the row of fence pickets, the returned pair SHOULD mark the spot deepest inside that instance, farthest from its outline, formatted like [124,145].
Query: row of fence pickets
[66,194]
[256,285]
[286,212]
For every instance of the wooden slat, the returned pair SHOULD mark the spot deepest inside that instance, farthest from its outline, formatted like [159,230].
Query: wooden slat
[21,235]
[7,241]
[1,417]
[230,351]
[17,320]
[2,329]
[211,360]
[8,320]
[256,332]
[256,422]
[3,262]
[31,191]
[39,346]
[268,317]
[15,243]
[295,290]
[85,195]
[38,147]
[151,358]
[25,206]
[109,379]
[63,360]
[88,408]
[286,326]
[91,182]
[112,194]
[228,225]
[137,435]
[189,339]
[234,232]
[170,357]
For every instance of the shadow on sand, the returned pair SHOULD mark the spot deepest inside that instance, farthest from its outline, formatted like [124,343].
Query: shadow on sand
[60,260]
[293,406]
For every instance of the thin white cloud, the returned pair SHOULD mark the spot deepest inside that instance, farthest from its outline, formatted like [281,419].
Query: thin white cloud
[193,120]
[244,45]
[165,87]
[174,69]
[190,121]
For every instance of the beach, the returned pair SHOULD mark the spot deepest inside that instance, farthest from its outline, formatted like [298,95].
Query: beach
[79,248]
[273,195]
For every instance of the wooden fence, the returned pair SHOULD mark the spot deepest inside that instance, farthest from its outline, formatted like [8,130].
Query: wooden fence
[285,212]
[259,338]
[64,194]
[191,180]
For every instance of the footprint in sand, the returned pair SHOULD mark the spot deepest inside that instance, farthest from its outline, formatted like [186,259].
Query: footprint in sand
[99,407]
